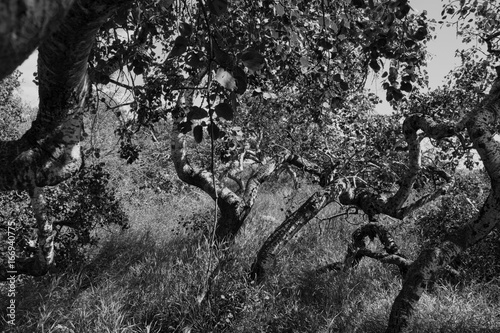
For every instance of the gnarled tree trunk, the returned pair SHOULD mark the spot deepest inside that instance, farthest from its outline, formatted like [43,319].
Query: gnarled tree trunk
[481,124]
[285,232]
[234,208]
[49,152]
[369,201]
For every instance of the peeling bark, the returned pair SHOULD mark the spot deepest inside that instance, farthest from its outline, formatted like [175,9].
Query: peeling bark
[49,152]
[480,124]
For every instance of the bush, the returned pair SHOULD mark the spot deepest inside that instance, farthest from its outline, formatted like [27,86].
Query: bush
[80,208]
[480,262]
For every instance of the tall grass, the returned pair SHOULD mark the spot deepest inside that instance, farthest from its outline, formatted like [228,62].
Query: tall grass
[150,278]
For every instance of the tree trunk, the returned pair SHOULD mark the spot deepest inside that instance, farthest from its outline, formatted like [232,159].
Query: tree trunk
[49,152]
[234,208]
[285,232]
[24,24]
[481,124]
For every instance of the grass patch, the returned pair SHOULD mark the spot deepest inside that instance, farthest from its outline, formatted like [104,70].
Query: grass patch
[149,279]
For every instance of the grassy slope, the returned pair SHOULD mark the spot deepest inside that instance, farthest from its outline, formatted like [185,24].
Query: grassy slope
[148,278]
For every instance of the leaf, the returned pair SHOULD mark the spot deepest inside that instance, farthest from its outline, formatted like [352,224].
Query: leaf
[304,61]
[389,96]
[224,110]
[252,60]
[222,57]
[375,65]
[241,80]
[164,4]
[268,95]
[197,113]
[218,7]
[198,133]
[421,33]
[280,10]
[344,85]
[185,126]
[185,29]
[180,46]
[214,131]
[325,44]
[398,95]
[359,3]
[393,74]
[138,69]
[225,79]
[409,43]
[193,60]
[406,86]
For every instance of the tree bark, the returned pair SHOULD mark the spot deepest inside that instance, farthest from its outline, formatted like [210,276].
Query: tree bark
[356,250]
[285,232]
[234,208]
[49,152]
[369,201]
[481,124]
[23,25]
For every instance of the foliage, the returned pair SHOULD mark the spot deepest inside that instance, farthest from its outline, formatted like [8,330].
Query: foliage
[480,262]
[306,57]
[81,208]
[10,107]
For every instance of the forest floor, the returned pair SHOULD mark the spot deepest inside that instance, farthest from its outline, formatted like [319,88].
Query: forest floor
[151,278]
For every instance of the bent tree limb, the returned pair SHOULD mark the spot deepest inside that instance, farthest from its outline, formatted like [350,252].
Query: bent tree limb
[370,202]
[356,250]
[49,152]
[285,232]
[234,208]
[481,124]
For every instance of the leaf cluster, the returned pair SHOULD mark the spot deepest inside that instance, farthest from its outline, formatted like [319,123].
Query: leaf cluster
[82,209]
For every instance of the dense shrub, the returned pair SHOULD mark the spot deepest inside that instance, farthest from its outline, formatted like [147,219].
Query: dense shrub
[481,261]
[81,208]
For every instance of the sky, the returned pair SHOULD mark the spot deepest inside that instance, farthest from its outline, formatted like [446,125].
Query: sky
[442,51]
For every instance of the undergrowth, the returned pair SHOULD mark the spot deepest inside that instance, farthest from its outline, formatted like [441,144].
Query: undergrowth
[150,277]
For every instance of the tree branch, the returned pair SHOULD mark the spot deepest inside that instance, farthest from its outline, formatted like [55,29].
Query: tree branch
[479,124]
[285,232]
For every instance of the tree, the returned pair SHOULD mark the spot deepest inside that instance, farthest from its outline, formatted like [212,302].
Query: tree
[318,52]
[49,151]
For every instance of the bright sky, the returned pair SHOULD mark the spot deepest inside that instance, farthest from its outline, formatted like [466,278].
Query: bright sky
[442,50]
